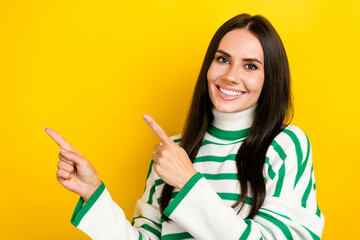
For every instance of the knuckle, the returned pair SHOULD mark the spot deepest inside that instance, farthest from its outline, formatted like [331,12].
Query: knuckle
[60,164]
[156,148]
[165,153]
[59,174]
[63,174]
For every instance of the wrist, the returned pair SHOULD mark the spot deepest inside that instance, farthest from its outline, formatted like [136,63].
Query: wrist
[187,179]
[91,191]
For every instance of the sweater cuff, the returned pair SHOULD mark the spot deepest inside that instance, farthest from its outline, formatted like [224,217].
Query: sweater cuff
[182,194]
[80,210]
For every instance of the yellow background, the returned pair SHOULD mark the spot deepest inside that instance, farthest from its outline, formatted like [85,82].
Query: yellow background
[90,69]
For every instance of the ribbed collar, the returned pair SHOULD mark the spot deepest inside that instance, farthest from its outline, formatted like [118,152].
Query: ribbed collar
[231,126]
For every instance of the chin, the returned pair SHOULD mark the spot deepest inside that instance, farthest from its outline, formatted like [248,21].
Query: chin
[230,109]
[226,109]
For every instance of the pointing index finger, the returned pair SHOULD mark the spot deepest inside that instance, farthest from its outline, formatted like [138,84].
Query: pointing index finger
[159,132]
[59,139]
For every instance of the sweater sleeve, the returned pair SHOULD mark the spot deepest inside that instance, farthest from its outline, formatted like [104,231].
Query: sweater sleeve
[290,210]
[101,218]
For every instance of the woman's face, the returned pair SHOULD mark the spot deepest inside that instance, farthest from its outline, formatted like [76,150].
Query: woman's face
[236,75]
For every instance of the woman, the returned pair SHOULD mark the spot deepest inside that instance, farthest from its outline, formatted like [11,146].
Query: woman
[237,172]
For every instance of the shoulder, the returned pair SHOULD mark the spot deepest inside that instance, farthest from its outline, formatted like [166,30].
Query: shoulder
[293,132]
[291,136]
[291,140]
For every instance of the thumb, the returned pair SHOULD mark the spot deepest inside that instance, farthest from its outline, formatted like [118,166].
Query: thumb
[73,156]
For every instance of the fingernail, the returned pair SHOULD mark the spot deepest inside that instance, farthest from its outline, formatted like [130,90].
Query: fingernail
[63,151]
[146,117]
[45,128]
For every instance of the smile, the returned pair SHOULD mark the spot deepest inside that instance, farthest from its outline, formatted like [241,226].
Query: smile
[229,92]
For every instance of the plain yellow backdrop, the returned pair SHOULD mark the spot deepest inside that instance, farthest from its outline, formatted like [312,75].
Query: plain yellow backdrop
[90,69]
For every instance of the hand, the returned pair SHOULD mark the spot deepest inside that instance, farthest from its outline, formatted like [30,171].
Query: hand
[75,173]
[171,161]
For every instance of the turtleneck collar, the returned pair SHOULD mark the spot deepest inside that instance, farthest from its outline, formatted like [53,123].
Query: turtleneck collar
[232,126]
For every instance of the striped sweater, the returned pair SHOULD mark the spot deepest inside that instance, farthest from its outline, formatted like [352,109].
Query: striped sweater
[202,208]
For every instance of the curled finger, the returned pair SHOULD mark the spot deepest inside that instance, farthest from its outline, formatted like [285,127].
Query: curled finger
[156,157]
[63,158]
[63,174]
[158,149]
[65,166]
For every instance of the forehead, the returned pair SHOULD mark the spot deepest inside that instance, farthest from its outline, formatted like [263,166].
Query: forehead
[241,43]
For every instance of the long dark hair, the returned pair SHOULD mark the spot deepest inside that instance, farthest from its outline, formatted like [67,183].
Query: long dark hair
[272,114]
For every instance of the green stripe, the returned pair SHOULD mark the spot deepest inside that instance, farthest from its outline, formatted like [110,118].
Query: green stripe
[81,210]
[206,142]
[271,172]
[152,190]
[174,194]
[233,197]
[176,140]
[228,196]
[150,169]
[183,192]
[151,193]
[140,236]
[221,176]
[222,195]
[228,135]
[301,170]
[151,229]
[318,212]
[159,182]
[142,217]
[231,157]
[307,191]
[247,231]
[176,236]
[281,215]
[281,173]
[299,154]
[313,235]
[280,181]
[279,150]
[285,230]
[149,172]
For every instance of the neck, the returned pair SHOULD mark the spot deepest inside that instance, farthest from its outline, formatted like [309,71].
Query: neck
[233,121]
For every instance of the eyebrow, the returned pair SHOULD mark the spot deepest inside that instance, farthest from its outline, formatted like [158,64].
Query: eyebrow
[244,59]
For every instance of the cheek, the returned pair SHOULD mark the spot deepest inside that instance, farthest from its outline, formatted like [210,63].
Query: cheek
[256,84]
[210,74]
[210,80]
[213,73]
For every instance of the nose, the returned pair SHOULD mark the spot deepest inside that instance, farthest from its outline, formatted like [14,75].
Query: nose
[232,76]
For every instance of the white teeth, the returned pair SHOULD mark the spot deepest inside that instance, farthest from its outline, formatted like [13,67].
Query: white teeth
[230,93]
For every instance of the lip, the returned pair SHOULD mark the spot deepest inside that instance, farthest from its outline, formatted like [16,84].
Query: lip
[227,97]
[228,88]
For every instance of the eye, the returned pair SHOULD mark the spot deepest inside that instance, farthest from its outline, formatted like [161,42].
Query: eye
[251,66]
[222,60]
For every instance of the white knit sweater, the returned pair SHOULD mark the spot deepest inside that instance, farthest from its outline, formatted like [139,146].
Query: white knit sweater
[202,209]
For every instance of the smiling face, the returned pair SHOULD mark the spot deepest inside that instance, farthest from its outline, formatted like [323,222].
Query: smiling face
[236,74]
